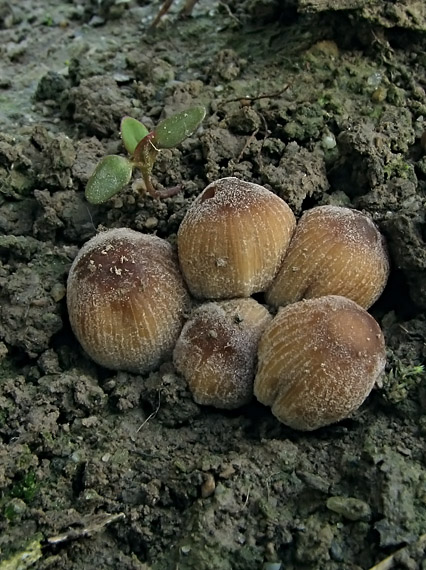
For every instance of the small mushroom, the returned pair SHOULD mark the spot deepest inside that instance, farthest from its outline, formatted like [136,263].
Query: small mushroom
[233,239]
[334,251]
[216,351]
[318,361]
[126,299]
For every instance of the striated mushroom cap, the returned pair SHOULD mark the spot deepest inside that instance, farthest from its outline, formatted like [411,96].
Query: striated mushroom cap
[233,239]
[216,351]
[318,361]
[126,299]
[334,251]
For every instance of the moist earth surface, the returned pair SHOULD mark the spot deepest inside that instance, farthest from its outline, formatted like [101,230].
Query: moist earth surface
[321,102]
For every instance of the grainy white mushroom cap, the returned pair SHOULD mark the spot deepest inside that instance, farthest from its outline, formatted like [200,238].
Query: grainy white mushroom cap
[334,251]
[126,299]
[233,239]
[318,360]
[216,351]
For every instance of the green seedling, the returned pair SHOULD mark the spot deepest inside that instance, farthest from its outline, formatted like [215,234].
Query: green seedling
[114,172]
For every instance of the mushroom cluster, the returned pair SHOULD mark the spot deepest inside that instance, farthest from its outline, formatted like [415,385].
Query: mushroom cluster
[314,362]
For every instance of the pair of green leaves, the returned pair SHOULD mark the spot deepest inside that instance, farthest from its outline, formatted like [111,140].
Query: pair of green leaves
[114,172]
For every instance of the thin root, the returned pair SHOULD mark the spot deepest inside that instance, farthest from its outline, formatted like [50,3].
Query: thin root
[186,10]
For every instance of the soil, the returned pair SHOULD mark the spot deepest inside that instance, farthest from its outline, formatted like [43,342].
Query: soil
[322,102]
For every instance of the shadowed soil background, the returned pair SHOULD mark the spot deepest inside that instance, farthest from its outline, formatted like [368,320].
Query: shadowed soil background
[324,103]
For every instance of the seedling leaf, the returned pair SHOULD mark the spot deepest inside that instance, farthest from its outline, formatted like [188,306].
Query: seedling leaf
[132,132]
[111,174]
[173,130]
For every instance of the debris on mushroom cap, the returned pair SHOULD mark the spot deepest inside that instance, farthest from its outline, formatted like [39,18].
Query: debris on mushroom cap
[233,239]
[126,299]
[216,351]
[334,251]
[318,361]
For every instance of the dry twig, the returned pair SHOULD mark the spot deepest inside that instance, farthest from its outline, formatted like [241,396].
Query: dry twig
[151,415]
[389,562]
[95,524]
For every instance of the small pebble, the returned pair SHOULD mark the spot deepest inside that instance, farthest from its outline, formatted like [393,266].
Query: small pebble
[351,508]
[208,487]
[151,223]
[58,292]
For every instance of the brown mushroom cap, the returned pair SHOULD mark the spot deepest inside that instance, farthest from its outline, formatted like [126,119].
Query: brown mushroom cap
[334,251]
[216,351]
[233,239]
[126,299]
[318,361]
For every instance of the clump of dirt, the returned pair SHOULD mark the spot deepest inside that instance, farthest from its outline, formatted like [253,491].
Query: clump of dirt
[118,470]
